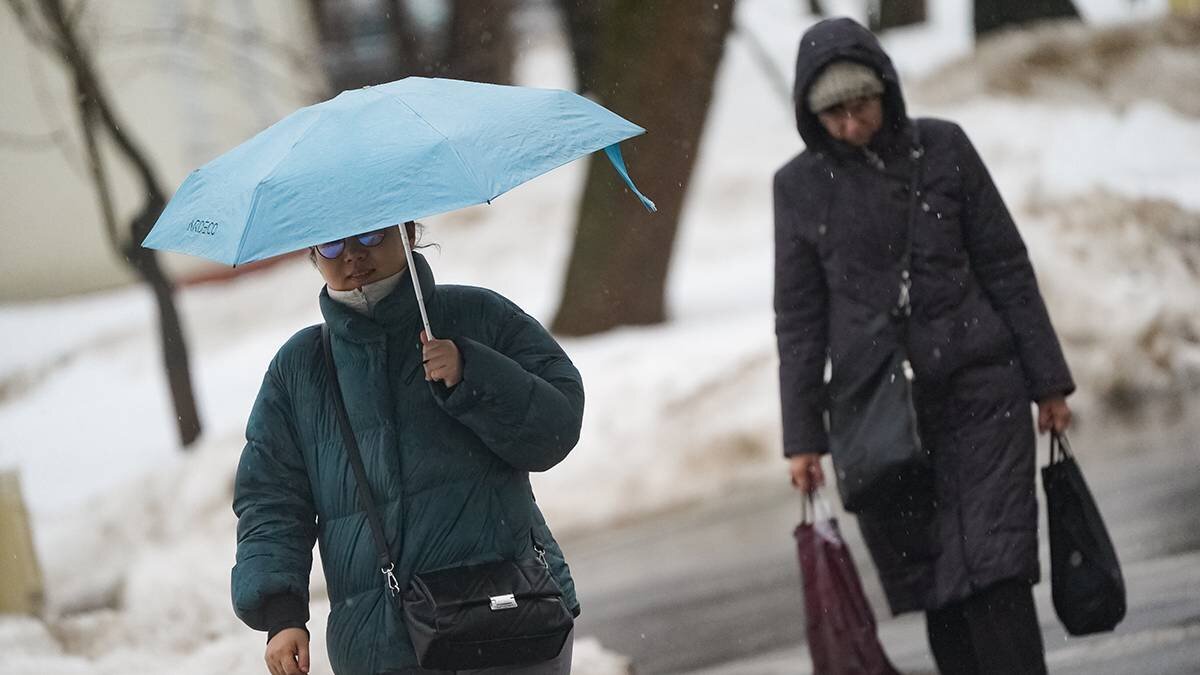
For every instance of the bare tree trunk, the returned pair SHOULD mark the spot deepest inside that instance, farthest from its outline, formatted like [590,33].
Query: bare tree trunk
[991,15]
[344,68]
[414,51]
[655,63]
[96,113]
[583,19]
[171,338]
[480,41]
[476,44]
[897,13]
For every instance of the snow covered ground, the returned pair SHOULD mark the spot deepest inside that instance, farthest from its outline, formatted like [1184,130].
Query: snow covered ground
[136,538]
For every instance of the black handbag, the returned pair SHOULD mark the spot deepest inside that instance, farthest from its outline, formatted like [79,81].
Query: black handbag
[873,433]
[1085,576]
[484,615]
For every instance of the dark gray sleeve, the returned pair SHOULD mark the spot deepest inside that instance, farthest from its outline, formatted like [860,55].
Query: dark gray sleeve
[801,329]
[1001,264]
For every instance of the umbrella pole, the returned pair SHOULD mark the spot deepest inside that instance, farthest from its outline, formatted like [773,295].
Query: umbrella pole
[412,272]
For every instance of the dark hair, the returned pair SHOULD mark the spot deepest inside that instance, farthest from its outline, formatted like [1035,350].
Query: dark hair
[415,230]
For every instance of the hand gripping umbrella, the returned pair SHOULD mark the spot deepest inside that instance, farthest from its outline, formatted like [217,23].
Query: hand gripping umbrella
[373,157]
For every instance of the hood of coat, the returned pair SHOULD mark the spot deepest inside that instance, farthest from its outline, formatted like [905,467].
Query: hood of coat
[397,312]
[835,39]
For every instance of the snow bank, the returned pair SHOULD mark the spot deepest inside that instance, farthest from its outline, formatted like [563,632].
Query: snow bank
[1069,62]
[137,539]
[1121,279]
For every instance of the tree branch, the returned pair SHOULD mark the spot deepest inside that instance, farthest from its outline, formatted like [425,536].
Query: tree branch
[33,32]
[298,60]
[770,69]
[86,108]
[89,86]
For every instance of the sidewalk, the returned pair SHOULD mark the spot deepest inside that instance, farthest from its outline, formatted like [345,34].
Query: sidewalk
[1160,634]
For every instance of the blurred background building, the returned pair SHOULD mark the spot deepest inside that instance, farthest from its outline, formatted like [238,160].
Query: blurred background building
[191,78]
[232,68]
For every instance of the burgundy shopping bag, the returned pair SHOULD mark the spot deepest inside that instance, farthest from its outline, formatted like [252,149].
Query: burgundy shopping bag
[841,625]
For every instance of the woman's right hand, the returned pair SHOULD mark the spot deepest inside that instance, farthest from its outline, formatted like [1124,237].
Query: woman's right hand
[806,472]
[287,652]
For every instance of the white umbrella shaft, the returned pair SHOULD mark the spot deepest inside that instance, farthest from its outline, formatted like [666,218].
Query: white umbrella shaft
[412,272]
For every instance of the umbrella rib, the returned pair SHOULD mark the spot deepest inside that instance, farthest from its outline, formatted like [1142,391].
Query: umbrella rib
[466,167]
[254,199]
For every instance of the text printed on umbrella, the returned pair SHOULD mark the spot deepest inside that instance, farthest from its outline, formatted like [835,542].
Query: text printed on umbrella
[205,227]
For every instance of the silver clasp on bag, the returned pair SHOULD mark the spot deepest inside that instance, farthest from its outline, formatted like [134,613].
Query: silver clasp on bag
[904,301]
[508,601]
[392,584]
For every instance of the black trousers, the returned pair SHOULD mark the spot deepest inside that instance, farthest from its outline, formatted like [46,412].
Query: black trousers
[994,632]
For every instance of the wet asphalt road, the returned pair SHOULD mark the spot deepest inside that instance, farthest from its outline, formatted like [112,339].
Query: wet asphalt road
[715,588]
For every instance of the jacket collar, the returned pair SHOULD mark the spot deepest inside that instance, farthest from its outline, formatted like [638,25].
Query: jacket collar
[395,313]
[891,143]
[364,300]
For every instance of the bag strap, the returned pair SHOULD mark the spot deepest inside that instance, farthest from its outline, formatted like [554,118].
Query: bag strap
[1060,447]
[903,308]
[387,566]
[813,506]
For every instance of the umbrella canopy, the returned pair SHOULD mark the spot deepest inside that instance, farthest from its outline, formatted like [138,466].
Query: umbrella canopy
[378,156]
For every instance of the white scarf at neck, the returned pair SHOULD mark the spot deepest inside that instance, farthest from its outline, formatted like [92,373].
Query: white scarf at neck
[363,300]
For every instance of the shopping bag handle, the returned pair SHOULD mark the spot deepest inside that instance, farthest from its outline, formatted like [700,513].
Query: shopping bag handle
[1060,447]
[813,506]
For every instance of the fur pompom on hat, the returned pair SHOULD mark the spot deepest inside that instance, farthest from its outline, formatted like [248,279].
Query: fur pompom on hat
[842,81]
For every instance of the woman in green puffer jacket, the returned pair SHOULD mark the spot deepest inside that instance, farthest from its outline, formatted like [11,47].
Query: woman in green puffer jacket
[449,430]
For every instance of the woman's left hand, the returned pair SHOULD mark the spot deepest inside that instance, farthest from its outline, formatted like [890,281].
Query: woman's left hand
[1053,415]
[442,361]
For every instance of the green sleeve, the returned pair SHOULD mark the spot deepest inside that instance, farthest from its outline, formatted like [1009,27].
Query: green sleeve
[273,502]
[521,395]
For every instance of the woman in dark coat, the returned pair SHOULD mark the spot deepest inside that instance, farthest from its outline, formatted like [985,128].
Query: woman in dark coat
[980,341]
[448,429]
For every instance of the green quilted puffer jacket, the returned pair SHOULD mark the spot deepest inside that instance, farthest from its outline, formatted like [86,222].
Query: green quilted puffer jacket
[449,469]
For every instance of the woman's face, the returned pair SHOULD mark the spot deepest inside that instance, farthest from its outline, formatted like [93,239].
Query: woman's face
[358,265]
[855,121]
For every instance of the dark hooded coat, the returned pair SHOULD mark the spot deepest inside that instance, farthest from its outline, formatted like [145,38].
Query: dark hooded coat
[979,338]
[449,469]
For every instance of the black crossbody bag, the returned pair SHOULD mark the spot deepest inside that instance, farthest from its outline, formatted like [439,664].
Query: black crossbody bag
[486,615]
[873,434]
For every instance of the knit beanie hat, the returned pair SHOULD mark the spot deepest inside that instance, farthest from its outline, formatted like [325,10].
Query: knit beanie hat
[842,81]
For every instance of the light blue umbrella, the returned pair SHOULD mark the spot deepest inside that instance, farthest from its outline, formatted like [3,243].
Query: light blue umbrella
[378,156]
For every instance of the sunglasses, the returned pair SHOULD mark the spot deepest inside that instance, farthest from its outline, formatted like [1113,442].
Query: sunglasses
[331,250]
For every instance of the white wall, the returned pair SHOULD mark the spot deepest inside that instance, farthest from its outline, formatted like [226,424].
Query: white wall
[190,79]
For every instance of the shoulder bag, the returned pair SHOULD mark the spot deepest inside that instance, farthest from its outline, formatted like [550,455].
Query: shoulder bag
[873,435]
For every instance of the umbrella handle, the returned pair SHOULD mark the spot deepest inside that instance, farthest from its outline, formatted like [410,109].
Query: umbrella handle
[412,272]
